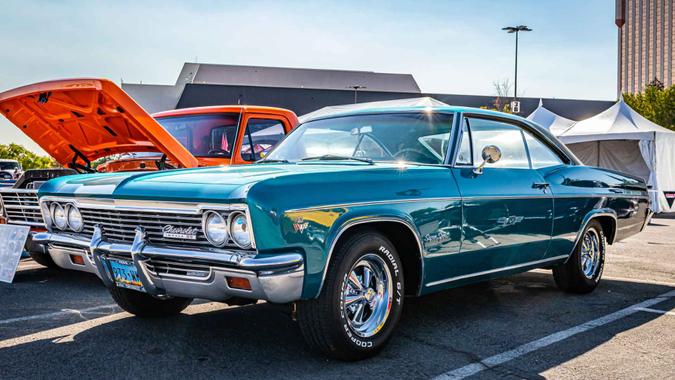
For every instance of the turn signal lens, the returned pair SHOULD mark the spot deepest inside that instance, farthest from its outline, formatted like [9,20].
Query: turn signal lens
[79,260]
[238,283]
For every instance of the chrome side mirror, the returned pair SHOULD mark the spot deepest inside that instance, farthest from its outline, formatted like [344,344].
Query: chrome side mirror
[491,154]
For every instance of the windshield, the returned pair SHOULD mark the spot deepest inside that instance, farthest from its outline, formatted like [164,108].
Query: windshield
[204,135]
[9,165]
[418,138]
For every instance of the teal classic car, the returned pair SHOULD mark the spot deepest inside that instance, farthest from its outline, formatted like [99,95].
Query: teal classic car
[350,214]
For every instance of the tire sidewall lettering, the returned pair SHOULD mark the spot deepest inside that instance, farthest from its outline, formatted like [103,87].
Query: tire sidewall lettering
[367,343]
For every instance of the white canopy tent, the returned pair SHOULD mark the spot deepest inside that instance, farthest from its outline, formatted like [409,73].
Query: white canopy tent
[555,123]
[621,139]
[332,110]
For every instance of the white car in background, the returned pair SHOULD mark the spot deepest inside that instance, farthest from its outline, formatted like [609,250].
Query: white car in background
[10,169]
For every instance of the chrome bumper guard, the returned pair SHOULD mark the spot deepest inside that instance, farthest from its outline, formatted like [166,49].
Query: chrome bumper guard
[278,278]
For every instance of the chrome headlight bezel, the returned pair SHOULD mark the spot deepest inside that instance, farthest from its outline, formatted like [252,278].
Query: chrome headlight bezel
[209,216]
[71,208]
[53,209]
[232,221]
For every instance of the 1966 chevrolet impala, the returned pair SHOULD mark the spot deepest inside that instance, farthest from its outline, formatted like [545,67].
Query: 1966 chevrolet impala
[347,216]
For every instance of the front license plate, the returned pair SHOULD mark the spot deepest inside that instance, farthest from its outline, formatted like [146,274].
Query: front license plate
[125,274]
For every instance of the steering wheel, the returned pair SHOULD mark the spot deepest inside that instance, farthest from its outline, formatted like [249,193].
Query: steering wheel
[405,153]
[217,151]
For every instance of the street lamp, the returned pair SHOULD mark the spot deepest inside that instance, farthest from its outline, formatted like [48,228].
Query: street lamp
[356,89]
[516,30]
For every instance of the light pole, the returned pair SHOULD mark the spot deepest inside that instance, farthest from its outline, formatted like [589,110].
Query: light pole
[356,89]
[516,30]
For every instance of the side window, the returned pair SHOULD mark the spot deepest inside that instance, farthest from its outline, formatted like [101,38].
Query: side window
[464,155]
[541,155]
[507,137]
[260,136]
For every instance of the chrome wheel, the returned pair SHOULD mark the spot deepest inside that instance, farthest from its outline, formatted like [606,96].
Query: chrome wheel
[367,295]
[590,253]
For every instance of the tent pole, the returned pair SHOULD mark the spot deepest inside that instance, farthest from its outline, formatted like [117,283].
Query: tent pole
[598,160]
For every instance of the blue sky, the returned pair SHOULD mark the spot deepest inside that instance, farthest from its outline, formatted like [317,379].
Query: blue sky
[449,46]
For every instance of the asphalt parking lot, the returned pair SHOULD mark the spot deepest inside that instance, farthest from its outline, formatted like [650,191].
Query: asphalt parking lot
[57,324]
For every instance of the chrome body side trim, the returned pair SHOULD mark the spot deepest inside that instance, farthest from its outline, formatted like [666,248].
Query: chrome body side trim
[477,197]
[373,203]
[353,223]
[502,269]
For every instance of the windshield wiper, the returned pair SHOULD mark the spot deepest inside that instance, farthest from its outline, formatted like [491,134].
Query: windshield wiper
[333,157]
[273,161]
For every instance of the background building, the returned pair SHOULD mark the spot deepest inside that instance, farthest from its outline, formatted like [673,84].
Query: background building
[646,43]
[306,90]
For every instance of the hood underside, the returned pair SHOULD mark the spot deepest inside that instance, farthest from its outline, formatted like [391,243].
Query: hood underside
[80,120]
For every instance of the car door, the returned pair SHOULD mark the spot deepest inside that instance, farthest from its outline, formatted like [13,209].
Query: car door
[507,206]
[258,134]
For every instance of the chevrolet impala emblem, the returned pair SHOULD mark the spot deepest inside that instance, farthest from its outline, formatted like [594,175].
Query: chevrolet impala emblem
[173,232]
[300,225]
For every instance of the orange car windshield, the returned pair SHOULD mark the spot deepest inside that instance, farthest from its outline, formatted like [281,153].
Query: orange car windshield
[204,135]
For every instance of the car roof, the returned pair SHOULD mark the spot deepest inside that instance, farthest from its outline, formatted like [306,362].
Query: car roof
[227,109]
[402,109]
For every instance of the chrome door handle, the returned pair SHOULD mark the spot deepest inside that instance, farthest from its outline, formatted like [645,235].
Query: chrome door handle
[541,185]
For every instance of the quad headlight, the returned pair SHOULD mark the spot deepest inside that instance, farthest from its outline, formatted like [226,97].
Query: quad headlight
[59,217]
[62,216]
[239,230]
[222,229]
[215,228]
[75,221]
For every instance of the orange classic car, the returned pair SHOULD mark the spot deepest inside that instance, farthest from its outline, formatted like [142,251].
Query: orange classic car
[92,125]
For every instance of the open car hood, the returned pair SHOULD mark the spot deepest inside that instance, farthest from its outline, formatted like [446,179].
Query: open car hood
[79,120]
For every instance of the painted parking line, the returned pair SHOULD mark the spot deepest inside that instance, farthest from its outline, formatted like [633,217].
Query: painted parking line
[65,334]
[492,361]
[113,308]
[664,312]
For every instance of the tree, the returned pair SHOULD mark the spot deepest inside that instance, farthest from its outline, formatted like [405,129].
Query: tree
[656,103]
[26,158]
[502,89]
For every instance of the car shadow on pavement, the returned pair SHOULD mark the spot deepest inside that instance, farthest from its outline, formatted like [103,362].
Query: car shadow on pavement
[437,333]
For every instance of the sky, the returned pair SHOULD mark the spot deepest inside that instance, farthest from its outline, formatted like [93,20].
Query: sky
[449,46]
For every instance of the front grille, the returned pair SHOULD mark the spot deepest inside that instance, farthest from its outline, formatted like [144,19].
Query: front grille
[21,207]
[119,226]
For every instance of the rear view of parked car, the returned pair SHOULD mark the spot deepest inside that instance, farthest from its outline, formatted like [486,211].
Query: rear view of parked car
[347,216]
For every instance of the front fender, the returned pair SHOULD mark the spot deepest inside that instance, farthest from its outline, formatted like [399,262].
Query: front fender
[322,229]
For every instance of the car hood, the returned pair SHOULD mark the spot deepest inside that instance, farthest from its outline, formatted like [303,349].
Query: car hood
[212,184]
[80,120]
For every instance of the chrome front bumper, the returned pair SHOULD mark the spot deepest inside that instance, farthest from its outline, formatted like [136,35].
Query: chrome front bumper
[275,278]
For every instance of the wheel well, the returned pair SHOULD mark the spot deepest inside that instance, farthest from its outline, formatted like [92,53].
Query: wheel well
[406,243]
[608,227]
